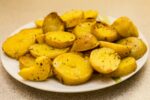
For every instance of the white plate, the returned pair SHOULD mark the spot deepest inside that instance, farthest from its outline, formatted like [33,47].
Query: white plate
[97,82]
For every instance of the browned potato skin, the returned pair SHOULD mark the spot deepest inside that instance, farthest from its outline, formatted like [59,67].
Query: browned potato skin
[53,22]
[84,43]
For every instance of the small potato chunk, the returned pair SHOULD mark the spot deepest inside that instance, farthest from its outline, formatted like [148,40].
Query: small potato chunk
[18,44]
[104,33]
[126,66]
[39,23]
[104,60]
[72,18]
[138,47]
[90,14]
[125,27]
[26,61]
[84,43]
[83,29]
[38,72]
[122,50]
[72,69]
[38,50]
[59,39]
[53,22]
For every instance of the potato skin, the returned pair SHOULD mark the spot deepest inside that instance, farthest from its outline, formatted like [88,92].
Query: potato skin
[18,44]
[85,43]
[72,69]
[125,27]
[26,61]
[126,66]
[72,18]
[104,32]
[53,22]
[39,72]
[122,50]
[38,50]
[104,60]
[59,39]
[138,47]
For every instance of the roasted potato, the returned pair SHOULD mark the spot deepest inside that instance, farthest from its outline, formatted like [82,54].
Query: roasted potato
[59,39]
[39,23]
[18,44]
[72,18]
[104,33]
[53,22]
[138,47]
[104,60]
[39,72]
[72,69]
[122,50]
[38,50]
[83,29]
[125,27]
[26,61]
[126,66]
[40,38]
[84,43]
[90,14]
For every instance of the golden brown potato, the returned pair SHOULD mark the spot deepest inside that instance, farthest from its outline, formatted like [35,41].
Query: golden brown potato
[122,50]
[83,29]
[53,22]
[104,60]
[90,14]
[18,44]
[104,33]
[59,39]
[72,69]
[125,27]
[39,72]
[126,66]
[38,50]
[72,18]
[138,47]
[40,38]
[26,61]
[84,43]
[39,23]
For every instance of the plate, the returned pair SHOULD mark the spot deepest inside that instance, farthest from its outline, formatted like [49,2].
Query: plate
[96,82]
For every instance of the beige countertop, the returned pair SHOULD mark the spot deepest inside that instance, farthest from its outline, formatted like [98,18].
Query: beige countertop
[15,13]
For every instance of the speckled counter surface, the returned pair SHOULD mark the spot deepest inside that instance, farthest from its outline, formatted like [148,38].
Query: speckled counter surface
[15,13]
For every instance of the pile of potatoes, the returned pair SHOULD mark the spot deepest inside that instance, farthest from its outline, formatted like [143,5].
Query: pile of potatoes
[72,46]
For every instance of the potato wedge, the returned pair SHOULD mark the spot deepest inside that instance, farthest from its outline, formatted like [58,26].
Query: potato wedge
[53,22]
[39,23]
[125,27]
[90,14]
[26,61]
[72,18]
[104,33]
[138,47]
[38,50]
[83,29]
[72,69]
[84,43]
[126,66]
[122,50]
[18,44]
[39,72]
[104,60]
[59,39]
